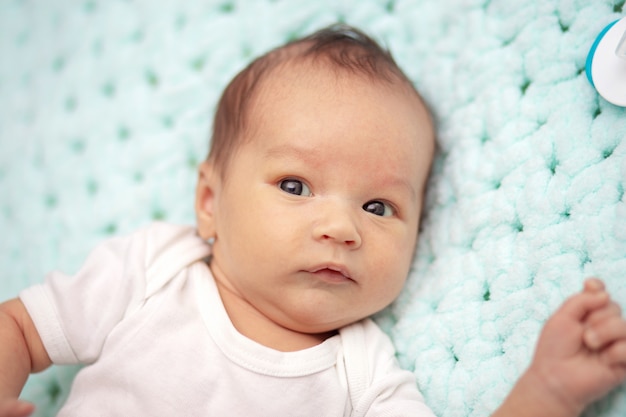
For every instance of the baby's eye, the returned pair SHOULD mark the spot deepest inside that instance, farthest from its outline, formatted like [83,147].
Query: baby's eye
[295,187]
[378,208]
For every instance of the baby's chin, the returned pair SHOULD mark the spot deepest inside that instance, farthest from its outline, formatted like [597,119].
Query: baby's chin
[313,324]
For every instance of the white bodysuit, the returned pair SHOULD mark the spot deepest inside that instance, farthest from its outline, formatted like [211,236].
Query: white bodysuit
[145,316]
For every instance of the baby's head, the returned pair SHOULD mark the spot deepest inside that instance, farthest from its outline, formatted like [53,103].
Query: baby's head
[341,49]
[314,184]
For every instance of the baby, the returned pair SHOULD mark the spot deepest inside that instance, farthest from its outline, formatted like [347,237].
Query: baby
[308,209]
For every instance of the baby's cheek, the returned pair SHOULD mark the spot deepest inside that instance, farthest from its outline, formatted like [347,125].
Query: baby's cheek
[391,280]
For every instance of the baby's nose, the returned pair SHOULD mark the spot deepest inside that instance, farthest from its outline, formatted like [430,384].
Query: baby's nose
[338,224]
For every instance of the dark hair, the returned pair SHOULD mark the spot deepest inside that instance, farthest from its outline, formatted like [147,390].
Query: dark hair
[343,47]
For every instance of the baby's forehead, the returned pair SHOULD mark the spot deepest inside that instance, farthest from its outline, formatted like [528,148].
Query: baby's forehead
[321,95]
[306,72]
[287,83]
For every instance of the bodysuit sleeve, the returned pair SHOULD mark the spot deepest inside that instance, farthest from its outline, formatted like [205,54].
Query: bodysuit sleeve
[75,314]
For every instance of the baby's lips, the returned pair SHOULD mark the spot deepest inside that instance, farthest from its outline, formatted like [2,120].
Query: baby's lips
[343,270]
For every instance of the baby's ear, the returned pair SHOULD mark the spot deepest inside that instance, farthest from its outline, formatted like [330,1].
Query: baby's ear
[208,181]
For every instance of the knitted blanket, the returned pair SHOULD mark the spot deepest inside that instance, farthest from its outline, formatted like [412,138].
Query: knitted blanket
[105,112]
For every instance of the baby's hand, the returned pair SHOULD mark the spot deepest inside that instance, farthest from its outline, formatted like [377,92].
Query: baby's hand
[581,353]
[15,408]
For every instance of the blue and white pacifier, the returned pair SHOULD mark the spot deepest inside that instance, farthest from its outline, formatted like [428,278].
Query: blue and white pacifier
[606,63]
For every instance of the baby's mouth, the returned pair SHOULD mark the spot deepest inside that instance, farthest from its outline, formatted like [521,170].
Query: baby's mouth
[332,273]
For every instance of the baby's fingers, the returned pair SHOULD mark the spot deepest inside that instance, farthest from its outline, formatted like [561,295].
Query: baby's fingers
[593,285]
[612,309]
[615,355]
[15,408]
[581,305]
[602,333]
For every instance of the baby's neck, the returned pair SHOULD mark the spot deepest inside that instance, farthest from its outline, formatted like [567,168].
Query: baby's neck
[251,323]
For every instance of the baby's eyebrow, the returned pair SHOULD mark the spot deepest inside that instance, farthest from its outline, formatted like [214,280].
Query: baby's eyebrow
[291,152]
[301,154]
[400,183]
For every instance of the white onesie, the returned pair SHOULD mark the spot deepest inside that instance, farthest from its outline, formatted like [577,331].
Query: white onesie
[145,316]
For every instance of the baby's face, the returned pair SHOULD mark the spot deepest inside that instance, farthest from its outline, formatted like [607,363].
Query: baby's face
[317,219]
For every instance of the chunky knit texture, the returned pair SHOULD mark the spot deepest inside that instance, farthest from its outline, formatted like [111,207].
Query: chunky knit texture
[105,113]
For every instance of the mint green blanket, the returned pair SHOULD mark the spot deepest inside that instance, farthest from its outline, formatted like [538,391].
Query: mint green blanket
[105,109]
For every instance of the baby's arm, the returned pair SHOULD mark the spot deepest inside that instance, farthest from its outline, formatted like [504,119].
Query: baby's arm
[21,352]
[580,357]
